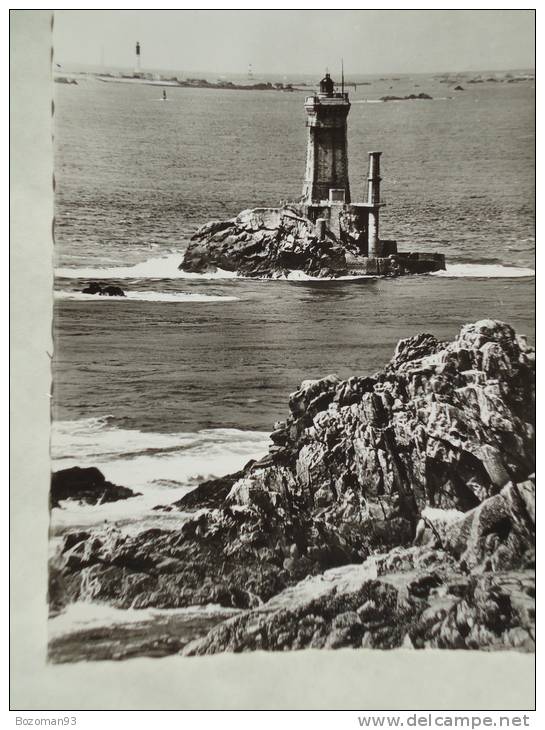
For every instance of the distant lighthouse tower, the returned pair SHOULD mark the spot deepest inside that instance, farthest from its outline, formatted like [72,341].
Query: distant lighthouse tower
[137,69]
[326,174]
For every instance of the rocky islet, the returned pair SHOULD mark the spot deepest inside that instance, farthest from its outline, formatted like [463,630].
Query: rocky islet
[282,242]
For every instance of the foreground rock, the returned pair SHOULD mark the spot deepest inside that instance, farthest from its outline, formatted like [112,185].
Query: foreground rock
[416,598]
[85,485]
[275,242]
[422,470]
[470,586]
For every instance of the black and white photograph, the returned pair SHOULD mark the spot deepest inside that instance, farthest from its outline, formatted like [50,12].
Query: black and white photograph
[293,328]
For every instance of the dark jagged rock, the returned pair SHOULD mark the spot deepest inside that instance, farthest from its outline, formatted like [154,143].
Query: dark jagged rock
[421,472]
[103,290]
[112,291]
[459,88]
[92,288]
[84,485]
[264,242]
[211,493]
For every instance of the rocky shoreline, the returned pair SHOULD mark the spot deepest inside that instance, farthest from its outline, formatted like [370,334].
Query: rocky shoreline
[392,510]
[194,83]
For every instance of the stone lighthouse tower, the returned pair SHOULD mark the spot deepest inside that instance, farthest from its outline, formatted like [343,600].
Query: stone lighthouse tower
[326,198]
[326,174]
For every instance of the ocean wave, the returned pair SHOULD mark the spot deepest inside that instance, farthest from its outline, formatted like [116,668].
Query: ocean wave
[166,267]
[146,296]
[83,616]
[163,267]
[162,466]
[487,271]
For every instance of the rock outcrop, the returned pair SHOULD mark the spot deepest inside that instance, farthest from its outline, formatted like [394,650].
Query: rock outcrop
[86,485]
[420,475]
[264,242]
[211,493]
[274,242]
[103,290]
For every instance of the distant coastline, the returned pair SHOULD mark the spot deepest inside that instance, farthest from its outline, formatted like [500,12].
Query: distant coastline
[200,83]
[195,83]
[163,80]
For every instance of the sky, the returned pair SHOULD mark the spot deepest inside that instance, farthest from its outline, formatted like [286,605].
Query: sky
[299,41]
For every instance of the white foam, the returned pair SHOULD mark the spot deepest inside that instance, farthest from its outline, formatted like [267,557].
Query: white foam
[446,516]
[81,616]
[162,466]
[299,275]
[146,296]
[164,267]
[487,271]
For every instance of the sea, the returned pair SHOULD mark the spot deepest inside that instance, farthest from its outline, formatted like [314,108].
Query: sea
[185,377]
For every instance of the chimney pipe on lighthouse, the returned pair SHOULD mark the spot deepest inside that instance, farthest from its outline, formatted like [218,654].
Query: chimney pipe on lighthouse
[373,199]
[373,196]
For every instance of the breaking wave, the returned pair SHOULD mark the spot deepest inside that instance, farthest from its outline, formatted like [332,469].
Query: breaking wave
[146,296]
[84,616]
[298,275]
[163,267]
[487,271]
[166,267]
[162,466]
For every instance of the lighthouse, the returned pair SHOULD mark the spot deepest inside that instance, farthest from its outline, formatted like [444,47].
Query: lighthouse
[332,230]
[326,174]
[326,198]
[137,69]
